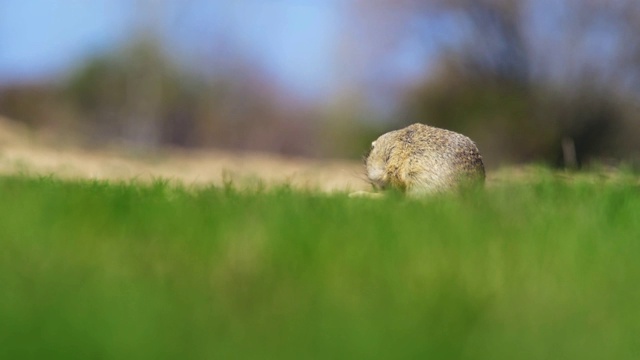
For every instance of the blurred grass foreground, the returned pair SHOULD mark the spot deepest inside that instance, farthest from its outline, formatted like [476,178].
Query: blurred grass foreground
[118,270]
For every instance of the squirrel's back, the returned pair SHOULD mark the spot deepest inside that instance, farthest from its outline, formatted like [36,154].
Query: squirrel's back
[422,159]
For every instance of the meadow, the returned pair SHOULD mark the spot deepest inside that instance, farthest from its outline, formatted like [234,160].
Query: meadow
[547,269]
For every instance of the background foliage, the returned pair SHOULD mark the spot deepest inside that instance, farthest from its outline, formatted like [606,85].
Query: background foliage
[520,77]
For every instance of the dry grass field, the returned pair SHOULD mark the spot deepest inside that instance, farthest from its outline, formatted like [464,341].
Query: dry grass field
[27,153]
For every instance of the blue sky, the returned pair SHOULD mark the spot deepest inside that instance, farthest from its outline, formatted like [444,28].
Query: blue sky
[309,46]
[45,37]
[293,40]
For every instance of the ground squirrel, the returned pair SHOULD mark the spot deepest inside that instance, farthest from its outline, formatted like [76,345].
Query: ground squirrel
[421,159]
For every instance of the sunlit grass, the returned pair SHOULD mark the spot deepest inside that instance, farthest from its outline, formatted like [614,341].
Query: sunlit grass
[100,270]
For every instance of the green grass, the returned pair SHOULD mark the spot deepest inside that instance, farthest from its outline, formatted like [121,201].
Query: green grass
[93,270]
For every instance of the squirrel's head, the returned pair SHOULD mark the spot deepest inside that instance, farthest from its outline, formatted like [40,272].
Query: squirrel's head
[376,162]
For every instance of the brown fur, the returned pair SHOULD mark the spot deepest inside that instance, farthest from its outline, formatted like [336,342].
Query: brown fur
[423,159]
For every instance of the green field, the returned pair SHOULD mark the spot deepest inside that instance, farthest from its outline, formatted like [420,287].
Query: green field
[549,269]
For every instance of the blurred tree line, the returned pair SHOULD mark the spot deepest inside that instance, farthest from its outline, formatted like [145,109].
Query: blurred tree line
[554,81]
[138,97]
[546,81]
